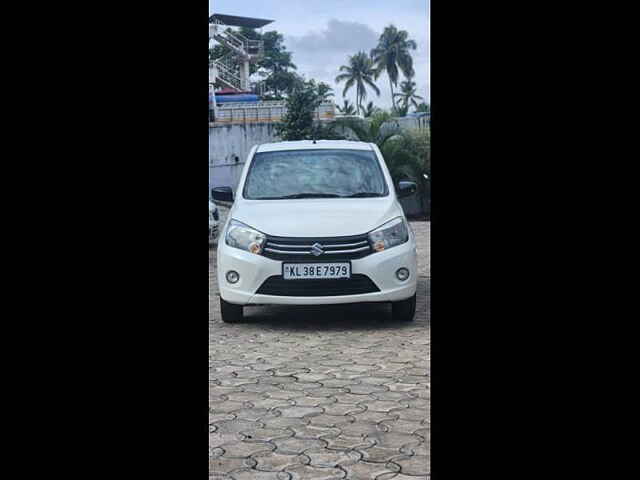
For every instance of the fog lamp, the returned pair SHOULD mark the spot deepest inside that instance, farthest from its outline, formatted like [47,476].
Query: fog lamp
[233,276]
[402,274]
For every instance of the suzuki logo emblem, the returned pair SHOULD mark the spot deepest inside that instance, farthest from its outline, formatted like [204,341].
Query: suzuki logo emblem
[316,249]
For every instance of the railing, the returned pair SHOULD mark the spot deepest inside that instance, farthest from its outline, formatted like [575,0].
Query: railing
[228,76]
[238,41]
[264,112]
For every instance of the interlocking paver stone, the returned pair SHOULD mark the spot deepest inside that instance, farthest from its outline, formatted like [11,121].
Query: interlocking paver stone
[299,412]
[235,426]
[383,405]
[345,384]
[343,409]
[377,454]
[402,426]
[246,449]
[283,422]
[332,458]
[298,445]
[309,401]
[255,475]
[225,465]
[369,471]
[308,472]
[360,429]
[414,465]
[325,420]
[366,388]
[373,417]
[314,432]
[348,443]
[265,434]
[393,440]
[277,461]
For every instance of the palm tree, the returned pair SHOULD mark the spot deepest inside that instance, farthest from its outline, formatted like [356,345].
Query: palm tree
[406,153]
[369,110]
[392,55]
[423,107]
[325,92]
[408,95]
[378,129]
[359,72]
[347,108]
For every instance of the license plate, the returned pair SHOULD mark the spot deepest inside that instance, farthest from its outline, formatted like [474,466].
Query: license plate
[305,271]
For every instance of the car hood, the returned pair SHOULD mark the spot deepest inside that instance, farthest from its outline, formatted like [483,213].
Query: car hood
[326,217]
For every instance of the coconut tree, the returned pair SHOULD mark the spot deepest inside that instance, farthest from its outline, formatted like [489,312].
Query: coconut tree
[369,110]
[423,107]
[408,94]
[347,108]
[359,72]
[392,54]
[407,153]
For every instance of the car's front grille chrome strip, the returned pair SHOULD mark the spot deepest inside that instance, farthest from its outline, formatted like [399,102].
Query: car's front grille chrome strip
[326,252]
[338,245]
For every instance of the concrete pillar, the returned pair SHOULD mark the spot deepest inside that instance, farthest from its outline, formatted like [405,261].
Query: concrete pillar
[244,74]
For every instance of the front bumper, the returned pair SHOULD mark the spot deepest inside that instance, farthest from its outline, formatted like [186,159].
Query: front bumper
[379,267]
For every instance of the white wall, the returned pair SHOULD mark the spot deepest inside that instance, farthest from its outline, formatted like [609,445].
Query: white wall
[226,142]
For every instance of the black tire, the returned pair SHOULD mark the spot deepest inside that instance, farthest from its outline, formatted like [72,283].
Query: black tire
[405,310]
[231,313]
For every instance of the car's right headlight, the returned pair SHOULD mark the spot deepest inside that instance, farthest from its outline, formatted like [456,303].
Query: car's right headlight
[392,233]
[244,237]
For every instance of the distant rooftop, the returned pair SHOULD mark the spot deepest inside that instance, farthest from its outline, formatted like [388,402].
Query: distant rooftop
[234,21]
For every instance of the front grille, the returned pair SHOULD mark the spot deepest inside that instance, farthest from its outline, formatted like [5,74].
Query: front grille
[216,217]
[356,285]
[299,249]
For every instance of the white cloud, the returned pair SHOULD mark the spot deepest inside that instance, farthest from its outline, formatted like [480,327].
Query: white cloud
[319,55]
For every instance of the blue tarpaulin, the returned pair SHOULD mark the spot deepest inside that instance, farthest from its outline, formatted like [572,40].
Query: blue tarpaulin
[237,98]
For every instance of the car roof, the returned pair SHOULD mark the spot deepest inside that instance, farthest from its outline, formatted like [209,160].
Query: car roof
[313,145]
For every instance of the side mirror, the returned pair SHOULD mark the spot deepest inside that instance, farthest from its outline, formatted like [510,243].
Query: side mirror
[406,189]
[222,194]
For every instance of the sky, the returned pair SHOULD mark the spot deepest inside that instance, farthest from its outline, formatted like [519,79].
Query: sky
[323,34]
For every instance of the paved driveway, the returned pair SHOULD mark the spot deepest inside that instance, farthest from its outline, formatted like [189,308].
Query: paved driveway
[321,393]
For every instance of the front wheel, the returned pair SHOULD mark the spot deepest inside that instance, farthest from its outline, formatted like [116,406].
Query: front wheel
[231,313]
[405,310]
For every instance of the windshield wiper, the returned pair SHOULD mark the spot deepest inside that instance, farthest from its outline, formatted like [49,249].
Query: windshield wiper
[363,195]
[301,195]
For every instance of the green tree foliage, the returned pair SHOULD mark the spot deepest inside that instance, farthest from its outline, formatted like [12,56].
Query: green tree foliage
[347,108]
[276,64]
[299,123]
[370,110]
[360,73]
[407,153]
[408,95]
[392,55]
[423,107]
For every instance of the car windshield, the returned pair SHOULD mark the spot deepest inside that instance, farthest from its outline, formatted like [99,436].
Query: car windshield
[336,173]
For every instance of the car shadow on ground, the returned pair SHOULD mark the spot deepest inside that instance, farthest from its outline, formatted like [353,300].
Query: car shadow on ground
[336,317]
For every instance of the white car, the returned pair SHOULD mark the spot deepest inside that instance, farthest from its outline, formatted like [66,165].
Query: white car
[316,223]
[213,222]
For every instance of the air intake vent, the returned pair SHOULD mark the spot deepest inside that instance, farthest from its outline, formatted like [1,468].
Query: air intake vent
[356,285]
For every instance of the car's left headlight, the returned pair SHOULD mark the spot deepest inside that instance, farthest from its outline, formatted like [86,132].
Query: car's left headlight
[391,234]
[244,237]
